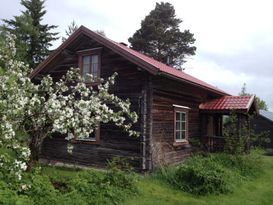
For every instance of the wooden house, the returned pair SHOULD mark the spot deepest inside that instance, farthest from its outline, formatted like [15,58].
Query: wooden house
[173,107]
[264,123]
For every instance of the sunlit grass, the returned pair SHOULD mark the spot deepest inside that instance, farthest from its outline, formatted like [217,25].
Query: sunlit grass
[253,192]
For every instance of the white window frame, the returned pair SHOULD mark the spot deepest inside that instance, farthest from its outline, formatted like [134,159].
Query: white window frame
[185,110]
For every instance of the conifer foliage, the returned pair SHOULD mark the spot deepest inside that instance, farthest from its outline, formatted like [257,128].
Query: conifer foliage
[160,37]
[33,38]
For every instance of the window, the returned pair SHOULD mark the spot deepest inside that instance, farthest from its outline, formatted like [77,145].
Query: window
[181,124]
[93,138]
[89,63]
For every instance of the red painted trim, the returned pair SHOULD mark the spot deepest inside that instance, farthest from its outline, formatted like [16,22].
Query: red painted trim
[130,55]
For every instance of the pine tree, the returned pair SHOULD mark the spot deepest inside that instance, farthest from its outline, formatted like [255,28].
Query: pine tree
[161,38]
[70,30]
[261,104]
[33,37]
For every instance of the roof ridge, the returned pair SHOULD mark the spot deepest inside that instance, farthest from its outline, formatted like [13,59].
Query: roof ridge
[150,64]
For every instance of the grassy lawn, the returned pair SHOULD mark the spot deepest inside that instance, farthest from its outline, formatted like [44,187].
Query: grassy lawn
[155,192]
[258,191]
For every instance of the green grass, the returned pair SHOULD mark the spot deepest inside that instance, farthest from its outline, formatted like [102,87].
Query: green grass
[254,192]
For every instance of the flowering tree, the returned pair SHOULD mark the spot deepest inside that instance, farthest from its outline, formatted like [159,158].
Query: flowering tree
[31,112]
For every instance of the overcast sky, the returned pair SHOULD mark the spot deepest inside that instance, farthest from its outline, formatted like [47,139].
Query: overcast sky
[234,38]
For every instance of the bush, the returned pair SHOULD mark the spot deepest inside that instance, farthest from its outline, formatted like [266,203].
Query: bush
[59,186]
[203,176]
[111,187]
[10,197]
[247,166]
[42,191]
[212,174]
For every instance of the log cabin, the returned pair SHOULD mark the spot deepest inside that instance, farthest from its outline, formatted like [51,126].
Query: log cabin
[173,107]
[263,123]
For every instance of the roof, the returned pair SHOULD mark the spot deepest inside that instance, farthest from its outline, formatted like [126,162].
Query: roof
[143,61]
[266,114]
[229,103]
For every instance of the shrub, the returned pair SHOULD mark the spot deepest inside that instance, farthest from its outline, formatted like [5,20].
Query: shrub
[212,174]
[42,190]
[247,166]
[10,197]
[203,176]
[111,187]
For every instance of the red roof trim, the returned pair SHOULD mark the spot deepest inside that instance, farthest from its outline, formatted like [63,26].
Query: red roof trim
[228,103]
[151,65]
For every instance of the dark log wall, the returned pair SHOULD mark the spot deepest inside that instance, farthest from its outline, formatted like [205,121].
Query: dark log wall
[260,125]
[113,141]
[167,92]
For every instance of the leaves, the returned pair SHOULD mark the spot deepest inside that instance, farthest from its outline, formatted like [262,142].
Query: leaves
[31,112]
[33,38]
[161,38]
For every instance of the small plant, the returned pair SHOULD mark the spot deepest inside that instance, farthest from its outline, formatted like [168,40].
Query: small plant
[237,134]
[212,174]
[203,176]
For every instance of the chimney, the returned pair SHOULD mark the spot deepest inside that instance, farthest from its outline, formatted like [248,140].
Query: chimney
[124,44]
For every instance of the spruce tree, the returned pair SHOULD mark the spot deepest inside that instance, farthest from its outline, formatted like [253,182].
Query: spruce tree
[161,38]
[261,104]
[33,38]
[70,30]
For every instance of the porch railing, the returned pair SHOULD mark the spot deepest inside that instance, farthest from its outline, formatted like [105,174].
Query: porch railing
[214,143]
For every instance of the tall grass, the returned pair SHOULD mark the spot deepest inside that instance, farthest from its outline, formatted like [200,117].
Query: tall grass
[212,174]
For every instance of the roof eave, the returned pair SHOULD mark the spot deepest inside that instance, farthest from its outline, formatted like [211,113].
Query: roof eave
[192,83]
[84,30]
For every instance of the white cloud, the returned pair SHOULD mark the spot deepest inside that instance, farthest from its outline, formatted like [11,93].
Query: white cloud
[234,38]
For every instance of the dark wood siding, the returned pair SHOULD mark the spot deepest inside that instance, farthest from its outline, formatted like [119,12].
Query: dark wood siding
[130,83]
[167,92]
[152,97]
[261,124]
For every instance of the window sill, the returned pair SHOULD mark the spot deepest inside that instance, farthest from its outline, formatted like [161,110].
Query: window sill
[88,84]
[184,143]
[83,141]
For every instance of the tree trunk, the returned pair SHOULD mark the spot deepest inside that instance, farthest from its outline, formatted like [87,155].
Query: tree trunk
[35,148]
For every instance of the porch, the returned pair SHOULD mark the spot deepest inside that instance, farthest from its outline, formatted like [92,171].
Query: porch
[215,115]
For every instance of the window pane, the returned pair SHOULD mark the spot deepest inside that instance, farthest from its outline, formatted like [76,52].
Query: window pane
[85,68]
[95,59]
[91,137]
[183,118]
[95,75]
[183,134]
[86,60]
[177,136]
[177,116]
[94,68]
[178,126]
[183,127]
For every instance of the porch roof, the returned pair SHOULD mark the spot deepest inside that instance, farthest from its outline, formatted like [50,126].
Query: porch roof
[230,103]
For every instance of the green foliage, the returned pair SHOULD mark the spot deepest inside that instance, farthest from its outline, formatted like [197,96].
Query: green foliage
[237,134]
[111,187]
[261,139]
[33,38]
[261,104]
[257,191]
[203,176]
[63,186]
[161,38]
[70,30]
[10,197]
[240,137]
[212,174]
[42,191]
